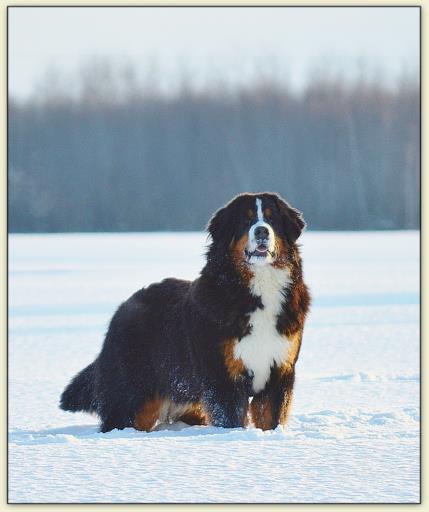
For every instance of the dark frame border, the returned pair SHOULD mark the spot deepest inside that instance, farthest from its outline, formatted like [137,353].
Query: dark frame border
[7,234]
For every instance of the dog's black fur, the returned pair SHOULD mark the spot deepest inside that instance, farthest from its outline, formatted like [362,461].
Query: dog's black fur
[167,340]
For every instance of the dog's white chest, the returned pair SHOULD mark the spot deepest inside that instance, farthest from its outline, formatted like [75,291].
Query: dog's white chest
[264,346]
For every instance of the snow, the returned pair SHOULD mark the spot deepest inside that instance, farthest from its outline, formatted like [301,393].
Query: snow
[353,435]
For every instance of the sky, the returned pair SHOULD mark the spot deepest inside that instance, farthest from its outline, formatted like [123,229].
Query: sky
[212,44]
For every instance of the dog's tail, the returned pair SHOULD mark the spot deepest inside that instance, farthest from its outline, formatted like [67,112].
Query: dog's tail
[79,394]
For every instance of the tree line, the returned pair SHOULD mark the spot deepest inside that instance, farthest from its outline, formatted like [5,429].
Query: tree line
[346,154]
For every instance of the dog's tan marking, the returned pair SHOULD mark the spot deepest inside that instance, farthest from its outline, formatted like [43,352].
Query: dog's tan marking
[194,415]
[294,346]
[262,413]
[281,250]
[285,408]
[148,415]
[238,257]
[234,366]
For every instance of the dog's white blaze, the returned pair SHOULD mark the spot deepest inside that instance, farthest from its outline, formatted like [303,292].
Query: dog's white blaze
[264,346]
[259,210]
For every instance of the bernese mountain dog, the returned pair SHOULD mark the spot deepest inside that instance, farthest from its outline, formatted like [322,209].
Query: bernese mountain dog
[219,350]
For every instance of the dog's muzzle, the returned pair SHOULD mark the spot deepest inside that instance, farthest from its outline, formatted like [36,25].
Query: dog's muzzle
[261,242]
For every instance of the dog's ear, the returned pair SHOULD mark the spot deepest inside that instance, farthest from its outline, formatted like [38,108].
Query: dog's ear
[221,225]
[292,220]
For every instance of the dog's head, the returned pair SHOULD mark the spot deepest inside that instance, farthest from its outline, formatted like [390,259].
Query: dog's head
[257,229]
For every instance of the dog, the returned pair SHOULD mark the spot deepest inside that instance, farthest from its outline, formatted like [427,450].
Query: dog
[219,350]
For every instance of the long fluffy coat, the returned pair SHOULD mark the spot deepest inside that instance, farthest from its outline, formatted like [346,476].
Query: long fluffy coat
[170,352]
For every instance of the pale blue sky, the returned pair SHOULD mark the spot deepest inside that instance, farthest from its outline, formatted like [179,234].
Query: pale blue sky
[231,43]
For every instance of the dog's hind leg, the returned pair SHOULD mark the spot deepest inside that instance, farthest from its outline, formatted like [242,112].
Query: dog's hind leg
[226,408]
[115,420]
[118,414]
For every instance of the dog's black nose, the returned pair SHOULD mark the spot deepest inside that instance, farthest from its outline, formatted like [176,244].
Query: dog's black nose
[261,232]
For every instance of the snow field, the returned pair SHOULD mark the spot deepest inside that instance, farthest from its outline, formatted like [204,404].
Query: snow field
[353,435]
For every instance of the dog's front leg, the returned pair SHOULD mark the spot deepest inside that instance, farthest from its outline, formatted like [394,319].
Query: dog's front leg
[226,406]
[271,406]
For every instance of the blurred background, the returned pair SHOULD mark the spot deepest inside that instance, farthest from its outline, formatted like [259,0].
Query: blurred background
[143,119]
